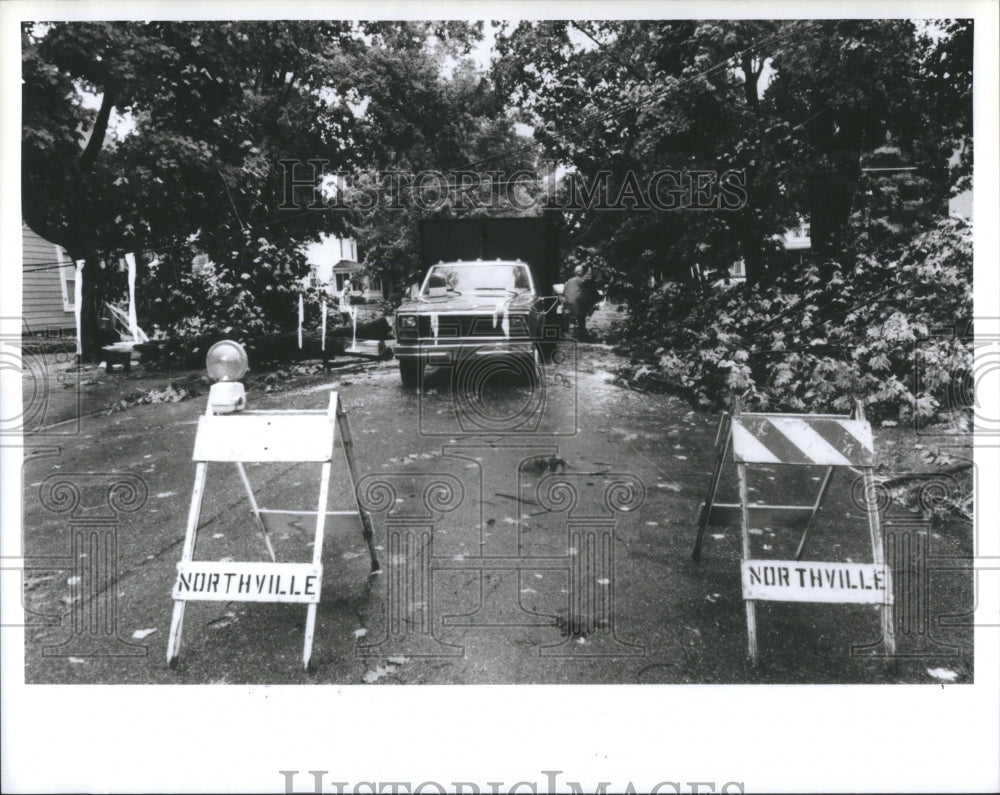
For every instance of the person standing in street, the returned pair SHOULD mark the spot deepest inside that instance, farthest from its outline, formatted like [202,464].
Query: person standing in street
[345,301]
[575,296]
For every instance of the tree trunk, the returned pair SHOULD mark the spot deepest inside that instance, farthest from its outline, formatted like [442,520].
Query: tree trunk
[99,131]
[753,259]
[94,292]
[89,312]
[750,78]
[753,255]
[831,194]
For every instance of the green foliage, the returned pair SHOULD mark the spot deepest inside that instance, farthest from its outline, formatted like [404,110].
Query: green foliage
[461,127]
[881,329]
[798,106]
[214,108]
[191,306]
[626,99]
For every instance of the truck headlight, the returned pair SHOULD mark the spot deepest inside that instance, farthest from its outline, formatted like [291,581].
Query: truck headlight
[408,322]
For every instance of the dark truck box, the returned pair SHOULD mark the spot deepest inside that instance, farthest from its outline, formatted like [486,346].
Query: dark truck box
[531,240]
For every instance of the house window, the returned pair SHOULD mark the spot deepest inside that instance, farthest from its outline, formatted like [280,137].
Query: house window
[67,280]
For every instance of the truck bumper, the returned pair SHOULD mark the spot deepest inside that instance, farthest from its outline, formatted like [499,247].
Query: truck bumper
[452,352]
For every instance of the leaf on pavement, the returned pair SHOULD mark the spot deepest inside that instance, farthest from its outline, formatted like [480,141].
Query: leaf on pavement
[380,671]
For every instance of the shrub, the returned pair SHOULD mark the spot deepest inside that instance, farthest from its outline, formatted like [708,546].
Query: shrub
[248,295]
[820,338]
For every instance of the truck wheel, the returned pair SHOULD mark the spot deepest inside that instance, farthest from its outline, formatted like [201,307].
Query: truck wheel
[409,371]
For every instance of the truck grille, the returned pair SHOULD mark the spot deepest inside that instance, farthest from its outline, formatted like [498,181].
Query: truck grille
[457,326]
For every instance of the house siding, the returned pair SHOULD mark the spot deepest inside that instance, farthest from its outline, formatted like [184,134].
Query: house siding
[42,308]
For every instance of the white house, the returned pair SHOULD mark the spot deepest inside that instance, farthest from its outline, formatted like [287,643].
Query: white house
[48,286]
[333,260]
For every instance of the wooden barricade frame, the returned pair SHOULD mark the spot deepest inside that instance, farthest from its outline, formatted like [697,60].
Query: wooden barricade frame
[796,442]
[265,437]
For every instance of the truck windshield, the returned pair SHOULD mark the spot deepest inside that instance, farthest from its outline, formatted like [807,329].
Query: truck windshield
[478,277]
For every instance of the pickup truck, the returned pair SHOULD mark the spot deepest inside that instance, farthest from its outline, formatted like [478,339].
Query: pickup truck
[465,311]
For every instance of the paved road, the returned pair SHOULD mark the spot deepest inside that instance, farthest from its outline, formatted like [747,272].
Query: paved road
[529,533]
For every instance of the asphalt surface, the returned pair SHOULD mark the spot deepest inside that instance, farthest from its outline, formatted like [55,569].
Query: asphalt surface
[528,533]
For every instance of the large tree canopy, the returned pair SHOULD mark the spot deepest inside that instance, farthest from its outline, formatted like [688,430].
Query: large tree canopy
[862,127]
[478,137]
[215,108]
[799,108]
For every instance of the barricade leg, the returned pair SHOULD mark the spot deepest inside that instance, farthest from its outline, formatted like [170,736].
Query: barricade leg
[721,445]
[878,557]
[256,511]
[310,631]
[324,491]
[190,540]
[347,440]
[812,518]
[741,477]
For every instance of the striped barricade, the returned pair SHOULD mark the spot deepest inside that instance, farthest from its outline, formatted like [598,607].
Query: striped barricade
[821,440]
